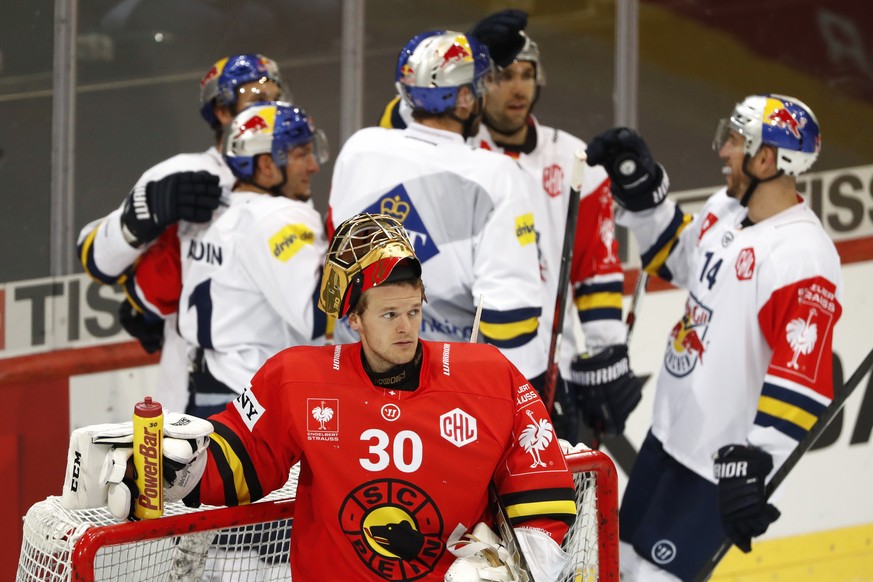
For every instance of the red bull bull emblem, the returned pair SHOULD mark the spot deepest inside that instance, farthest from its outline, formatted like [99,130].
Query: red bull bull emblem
[213,72]
[456,52]
[687,342]
[256,123]
[783,119]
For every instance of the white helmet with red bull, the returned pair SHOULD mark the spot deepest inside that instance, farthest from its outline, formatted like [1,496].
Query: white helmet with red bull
[782,122]
[222,82]
[434,65]
[269,128]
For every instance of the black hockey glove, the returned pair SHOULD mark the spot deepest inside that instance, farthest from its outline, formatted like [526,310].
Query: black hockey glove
[606,388]
[742,499]
[149,333]
[565,418]
[501,31]
[148,210]
[638,183]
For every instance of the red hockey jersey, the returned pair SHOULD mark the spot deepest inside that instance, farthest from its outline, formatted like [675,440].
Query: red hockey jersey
[387,475]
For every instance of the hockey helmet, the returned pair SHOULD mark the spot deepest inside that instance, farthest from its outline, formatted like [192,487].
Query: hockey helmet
[503,33]
[782,122]
[221,83]
[269,128]
[366,250]
[434,65]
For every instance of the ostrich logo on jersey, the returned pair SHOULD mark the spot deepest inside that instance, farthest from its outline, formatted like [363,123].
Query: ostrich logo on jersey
[323,421]
[397,204]
[686,344]
[801,335]
[536,437]
[395,529]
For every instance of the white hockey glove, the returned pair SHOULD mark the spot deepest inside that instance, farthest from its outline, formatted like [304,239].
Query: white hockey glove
[568,448]
[481,556]
[98,458]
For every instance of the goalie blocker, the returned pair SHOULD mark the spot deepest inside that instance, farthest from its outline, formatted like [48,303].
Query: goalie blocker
[99,465]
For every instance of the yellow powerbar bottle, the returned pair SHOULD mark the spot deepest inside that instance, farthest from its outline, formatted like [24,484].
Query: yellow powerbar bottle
[148,454]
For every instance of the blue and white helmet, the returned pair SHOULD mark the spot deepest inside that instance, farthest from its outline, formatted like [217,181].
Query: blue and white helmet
[779,121]
[220,84]
[434,65]
[269,128]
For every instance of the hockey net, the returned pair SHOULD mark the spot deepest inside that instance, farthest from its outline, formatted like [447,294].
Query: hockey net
[251,542]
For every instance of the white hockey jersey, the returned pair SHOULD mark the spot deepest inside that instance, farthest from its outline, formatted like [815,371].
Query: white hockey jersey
[249,283]
[750,359]
[105,255]
[596,276]
[472,225]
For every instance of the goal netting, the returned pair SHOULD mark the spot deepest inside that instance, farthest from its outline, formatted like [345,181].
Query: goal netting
[250,543]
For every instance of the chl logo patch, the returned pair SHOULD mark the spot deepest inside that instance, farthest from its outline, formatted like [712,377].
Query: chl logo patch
[249,408]
[289,240]
[458,427]
[395,529]
[553,180]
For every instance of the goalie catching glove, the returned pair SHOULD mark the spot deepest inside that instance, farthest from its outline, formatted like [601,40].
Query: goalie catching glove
[742,495]
[151,208]
[97,464]
[606,387]
[638,183]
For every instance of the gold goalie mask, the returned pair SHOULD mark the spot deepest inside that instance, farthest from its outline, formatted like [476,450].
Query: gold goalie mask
[366,250]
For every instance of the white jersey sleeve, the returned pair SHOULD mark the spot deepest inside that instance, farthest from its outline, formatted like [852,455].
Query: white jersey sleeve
[103,250]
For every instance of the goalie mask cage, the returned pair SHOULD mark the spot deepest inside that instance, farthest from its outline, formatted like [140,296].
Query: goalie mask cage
[250,542]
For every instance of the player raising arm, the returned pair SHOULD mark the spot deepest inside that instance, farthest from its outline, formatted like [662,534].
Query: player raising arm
[398,438]
[184,189]
[747,369]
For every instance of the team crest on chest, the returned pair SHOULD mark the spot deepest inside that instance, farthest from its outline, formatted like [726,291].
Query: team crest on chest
[322,421]
[745,266]
[687,342]
[395,529]
[397,204]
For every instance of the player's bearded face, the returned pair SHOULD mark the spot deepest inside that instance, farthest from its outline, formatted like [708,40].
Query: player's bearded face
[301,165]
[510,98]
[389,325]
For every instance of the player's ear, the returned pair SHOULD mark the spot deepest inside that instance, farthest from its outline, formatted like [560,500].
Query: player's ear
[355,321]
[223,114]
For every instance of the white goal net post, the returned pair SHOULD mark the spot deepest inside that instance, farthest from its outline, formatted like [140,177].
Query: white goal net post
[251,542]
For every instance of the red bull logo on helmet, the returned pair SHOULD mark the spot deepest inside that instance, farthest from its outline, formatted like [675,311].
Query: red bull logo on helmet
[777,114]
[687,342]
[458,51]
[213,73]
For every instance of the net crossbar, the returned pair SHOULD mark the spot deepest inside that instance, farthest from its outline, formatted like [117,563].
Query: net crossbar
[251,542]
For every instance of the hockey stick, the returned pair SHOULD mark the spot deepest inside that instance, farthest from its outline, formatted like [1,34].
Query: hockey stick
[802,447]
[633,309]
[551,379]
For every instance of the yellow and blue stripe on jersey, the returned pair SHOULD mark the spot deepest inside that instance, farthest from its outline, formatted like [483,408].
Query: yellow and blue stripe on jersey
[511,328]
[655,258]
[788,411]
[599,301]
